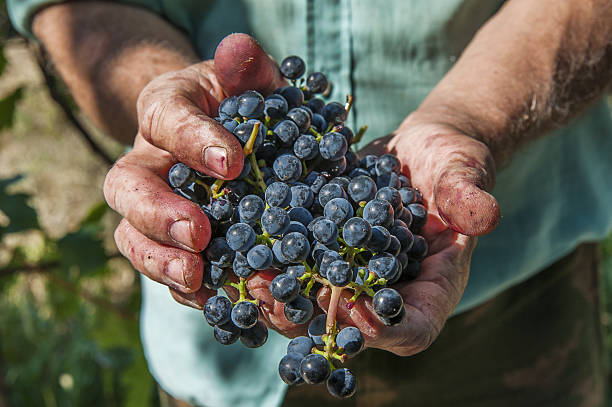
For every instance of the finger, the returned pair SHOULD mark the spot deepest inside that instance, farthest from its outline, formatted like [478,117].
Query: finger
[462,198]
[241,64]
[195,300]
[174,114]
[176,268]
[147,202]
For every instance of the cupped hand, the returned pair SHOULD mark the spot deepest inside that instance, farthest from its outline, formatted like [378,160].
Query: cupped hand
[161,233]
[453,172]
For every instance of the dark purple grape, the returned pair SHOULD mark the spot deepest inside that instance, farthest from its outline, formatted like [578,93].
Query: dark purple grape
[317,82]
[333,146]
[334,112]
[298,311]
[300,117]
[275,106]
[284,288]
[227,333]
[342,383]
[244,314]
[292,67]
[350,340]
[287,167]
[387,303]
[314,369]
[378,213]
[362,188]
[180,176]
[229,107]
[356,232]
[254,337]
[250,104]
[302,345]
[289,369]
[217,310]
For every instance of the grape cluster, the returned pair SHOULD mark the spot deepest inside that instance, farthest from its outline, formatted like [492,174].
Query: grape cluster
[308,207]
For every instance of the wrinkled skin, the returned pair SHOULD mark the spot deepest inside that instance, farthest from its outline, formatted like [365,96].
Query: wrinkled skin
[452,171]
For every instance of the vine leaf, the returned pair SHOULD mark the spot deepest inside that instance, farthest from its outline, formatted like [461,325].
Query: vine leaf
[15,206]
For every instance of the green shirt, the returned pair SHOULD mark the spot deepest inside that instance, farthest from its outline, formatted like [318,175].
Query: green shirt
[555,194]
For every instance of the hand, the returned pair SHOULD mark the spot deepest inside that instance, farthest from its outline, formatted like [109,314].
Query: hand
[453,172]
[162,233]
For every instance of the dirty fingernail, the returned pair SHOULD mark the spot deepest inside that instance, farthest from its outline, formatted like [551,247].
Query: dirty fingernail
[215,158]
[175,271]
[180,232]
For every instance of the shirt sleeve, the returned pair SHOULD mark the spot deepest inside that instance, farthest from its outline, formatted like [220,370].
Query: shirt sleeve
[21,11]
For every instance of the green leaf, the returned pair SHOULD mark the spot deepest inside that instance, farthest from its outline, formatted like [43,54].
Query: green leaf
[7,108]
[15,206]
[84,248]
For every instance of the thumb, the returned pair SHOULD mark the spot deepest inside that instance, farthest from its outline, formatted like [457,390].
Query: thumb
[241,64]
[462,198]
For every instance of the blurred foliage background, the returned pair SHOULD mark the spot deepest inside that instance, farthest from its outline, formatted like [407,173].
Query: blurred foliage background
[69,333]
[68,302]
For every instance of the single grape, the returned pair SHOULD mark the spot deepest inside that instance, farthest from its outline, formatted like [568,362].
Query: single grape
[316,105]
[278,194]
[229,107]
[318,123]
[404,215]
[227,333]
[333,146]
[240,237]
[392,196]
[295,247]
[284,288]
[219,253]
[419,216]
[240,267]
[250,104]
[301,215]
[342,181]
[394,247]
[287,167]
[384,265]
[356,232]
[349,136]
[362,188]
[287,132]
[275,221]
[289,369]
[298,311]
[306,147]
[342,383]
[292,67]
[325,231]
[408,195]
[339,273]
[279,258]
[217,310]
[213,277]
[250,209]
[329,192]
[301,196]
[260,257]
[302,345]
[180,175]
[419,249]
[300,117]
[254,337]
[316,329]
[332,168]
[404,235]
[387,163]
[334,112]
[221,210]
[316,182]
[350,340]
[378,213]
[314,369]
[387,303]
[389,179]
[317,82]
[275,107]
[339,210]
[244,314]
[293,95]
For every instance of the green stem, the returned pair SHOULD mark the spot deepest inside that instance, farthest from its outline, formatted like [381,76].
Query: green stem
[256,171]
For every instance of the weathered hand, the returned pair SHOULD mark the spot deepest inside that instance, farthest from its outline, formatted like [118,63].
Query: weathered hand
[453,172]
[162,233]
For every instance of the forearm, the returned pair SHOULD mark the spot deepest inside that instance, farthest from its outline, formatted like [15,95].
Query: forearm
[531,67]
[106,53]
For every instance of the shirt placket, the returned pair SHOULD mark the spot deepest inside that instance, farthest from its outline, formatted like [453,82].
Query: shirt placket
[329,36]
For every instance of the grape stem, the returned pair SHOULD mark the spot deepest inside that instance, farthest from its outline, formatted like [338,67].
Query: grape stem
[331,315]
[349,104]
